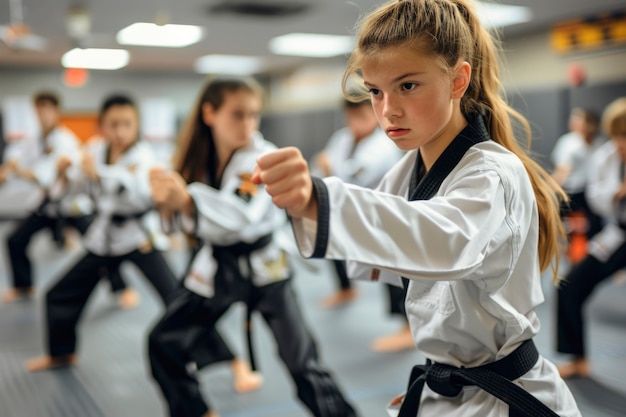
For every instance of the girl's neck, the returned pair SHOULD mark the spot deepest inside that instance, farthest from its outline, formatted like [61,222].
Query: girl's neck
[431,151]
[46,132]
[223,157]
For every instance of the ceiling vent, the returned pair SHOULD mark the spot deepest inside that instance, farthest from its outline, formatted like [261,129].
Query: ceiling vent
[258,8]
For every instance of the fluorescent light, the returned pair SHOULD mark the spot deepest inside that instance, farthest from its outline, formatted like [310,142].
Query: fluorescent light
[228,64]
[500,15]
[93,58]
[311,44]
[168,36]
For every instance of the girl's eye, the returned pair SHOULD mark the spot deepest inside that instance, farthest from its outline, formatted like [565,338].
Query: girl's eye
[374,91]
[408,86]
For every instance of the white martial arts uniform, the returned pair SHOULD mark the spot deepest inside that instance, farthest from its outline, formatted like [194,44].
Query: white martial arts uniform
[19,196]
[605,177]
[572,152]
[224,218]
[234,213]
[121,196]
[123,189]
[363,163]
[470,253]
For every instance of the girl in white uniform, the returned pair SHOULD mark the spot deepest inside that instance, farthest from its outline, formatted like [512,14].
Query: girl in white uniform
[117,173]
[606,192]
[480,224]
[240,256]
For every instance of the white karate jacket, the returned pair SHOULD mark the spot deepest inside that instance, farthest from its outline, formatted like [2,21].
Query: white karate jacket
[573,152]
[605,179]
[470,253]
[226,216]
[123,188]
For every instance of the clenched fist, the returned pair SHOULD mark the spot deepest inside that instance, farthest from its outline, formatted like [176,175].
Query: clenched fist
[287,179]
[169,191]
[63,163]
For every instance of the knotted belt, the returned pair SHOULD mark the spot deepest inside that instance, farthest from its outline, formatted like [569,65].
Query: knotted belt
[231,284]
[495,378]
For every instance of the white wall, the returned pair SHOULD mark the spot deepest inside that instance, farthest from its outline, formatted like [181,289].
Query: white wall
[181,89]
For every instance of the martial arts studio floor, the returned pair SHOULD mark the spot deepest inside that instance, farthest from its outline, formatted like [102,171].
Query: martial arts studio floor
[112,380]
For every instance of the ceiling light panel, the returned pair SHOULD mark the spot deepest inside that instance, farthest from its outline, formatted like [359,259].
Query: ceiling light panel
[166,36]
[311,45]
[228,64]
[494,15]
[94,58]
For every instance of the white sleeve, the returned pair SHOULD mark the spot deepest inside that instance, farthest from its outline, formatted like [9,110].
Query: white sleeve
[561,154]
[22,151]
[441,238]
[45,169]
[602,182]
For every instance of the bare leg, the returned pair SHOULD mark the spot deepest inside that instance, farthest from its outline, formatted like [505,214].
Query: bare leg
[246,380]
[345,293]
[14,294]
[211,414]
[579,367]
[402,340]
[45,363]
[340,297]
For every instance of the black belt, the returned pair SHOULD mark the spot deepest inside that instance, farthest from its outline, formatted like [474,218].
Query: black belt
[495,378]
[120,219]
[228,274]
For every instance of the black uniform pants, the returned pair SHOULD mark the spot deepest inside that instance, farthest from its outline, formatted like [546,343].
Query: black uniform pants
[66,300]
[397,297]
[190,322]
[578,202]
[20,239]
[575,289]
[342,275]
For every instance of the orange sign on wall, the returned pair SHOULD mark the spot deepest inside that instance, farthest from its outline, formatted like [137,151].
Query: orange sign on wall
[582,35]
[84,125]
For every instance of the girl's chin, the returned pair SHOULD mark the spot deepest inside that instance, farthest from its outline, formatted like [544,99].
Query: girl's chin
[405,144]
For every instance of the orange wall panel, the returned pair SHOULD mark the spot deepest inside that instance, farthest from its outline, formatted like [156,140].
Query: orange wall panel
[84,125]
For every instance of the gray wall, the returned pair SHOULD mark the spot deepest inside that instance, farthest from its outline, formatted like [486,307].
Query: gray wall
[309,130]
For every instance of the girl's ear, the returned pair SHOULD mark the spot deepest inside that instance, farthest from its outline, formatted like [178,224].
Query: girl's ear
[208,114]
[462,77]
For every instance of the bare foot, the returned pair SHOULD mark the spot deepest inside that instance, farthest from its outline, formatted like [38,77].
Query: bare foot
[619,278]
[340,297]
[403,340]
[128,299]
[580,367]
[14,294]
[45,363]
[246,380]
